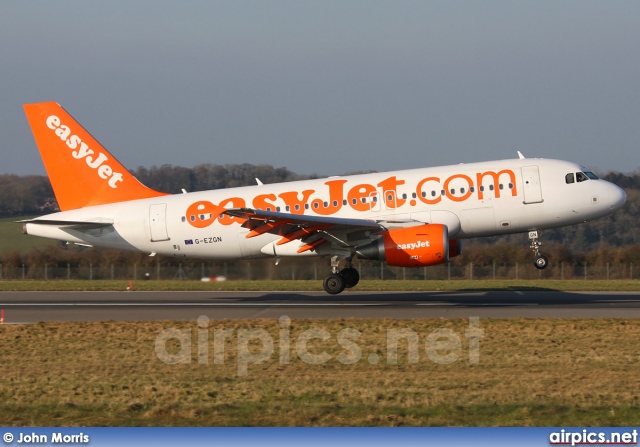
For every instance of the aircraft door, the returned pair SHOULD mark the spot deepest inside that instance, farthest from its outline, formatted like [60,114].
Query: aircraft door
[531,184]
[390,200]
[158,222]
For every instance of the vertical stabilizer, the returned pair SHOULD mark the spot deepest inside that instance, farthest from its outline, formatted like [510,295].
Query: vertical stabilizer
[81,171]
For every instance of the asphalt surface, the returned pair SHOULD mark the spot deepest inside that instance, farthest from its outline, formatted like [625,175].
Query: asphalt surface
[27,307]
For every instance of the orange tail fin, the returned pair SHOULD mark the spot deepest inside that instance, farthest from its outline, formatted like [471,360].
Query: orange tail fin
[81,171]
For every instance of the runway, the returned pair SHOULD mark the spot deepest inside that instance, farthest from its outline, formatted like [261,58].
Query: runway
[29,307]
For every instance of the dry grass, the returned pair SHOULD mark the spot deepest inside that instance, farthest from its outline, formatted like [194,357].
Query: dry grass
[531,372]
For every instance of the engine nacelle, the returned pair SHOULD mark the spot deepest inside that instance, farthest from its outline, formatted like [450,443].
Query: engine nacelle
[419,246]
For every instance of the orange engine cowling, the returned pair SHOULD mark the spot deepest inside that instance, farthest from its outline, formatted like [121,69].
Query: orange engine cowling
[419,246]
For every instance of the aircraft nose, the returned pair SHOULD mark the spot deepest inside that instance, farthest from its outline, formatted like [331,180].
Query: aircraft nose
[616,197]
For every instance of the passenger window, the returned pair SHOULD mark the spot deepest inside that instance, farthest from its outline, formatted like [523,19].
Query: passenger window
[433,193]
[569,178]
[461,190]
[184,219]
[581,177]
[491,187]
[315,205]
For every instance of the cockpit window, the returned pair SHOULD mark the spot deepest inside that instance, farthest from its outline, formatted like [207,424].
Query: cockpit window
[591,175]
[581,177]
[570,178]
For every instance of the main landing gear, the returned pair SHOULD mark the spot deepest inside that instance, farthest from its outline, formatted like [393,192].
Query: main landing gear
[338,280]
[541,261]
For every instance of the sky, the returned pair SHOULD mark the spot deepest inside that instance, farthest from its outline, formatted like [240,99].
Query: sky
[327,87]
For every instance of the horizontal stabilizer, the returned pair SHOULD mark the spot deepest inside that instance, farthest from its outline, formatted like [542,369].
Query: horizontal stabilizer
[83,224]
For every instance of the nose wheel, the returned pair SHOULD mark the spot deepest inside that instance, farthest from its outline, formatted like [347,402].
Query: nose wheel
[541,261]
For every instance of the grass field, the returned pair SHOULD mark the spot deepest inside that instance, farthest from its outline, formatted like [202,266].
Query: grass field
[12,239]
[363,286]
[530,372]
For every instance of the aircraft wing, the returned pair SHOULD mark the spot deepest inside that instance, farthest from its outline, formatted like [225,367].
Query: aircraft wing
[298,219]
[312,230]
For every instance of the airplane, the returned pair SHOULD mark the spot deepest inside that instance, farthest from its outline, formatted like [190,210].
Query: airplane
[407,218]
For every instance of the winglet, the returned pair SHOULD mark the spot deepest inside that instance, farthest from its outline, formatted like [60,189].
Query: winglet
[81,171]
[520,156]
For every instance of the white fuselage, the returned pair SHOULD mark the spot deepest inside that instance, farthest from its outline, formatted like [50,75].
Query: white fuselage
[477,199]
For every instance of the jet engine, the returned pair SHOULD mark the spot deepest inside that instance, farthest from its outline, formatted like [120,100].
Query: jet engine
[418,246]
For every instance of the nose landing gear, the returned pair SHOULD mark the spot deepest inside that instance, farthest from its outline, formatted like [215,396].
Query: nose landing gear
[541,261]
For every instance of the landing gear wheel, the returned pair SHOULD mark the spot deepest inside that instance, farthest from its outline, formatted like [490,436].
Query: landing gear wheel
[541,262]
[334,284]
[350,276]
